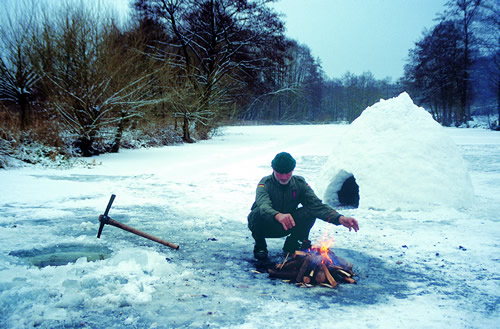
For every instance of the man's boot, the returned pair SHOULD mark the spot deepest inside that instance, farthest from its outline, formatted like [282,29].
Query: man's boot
[260,249]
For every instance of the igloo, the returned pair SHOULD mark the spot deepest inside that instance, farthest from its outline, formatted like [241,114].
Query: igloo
[395,156]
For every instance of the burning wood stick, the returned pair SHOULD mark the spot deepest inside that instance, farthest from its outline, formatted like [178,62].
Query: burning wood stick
[320,275]
[343,264]
[300,253]
[281,266]
[349,280]
[291,264]
[328,276]
[287,275]
[305,265]
[307,268]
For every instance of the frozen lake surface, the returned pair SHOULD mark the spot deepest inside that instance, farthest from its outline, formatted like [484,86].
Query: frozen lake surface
[427,268]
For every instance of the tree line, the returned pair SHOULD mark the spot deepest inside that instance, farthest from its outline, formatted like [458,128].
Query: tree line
[77,77]
[75,73]
[454,70]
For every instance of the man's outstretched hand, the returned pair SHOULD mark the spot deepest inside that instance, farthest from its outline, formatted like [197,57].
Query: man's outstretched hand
[286,220]
[349,222]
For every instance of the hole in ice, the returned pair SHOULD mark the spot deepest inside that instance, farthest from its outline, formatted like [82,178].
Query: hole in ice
[62,254]
[349,192]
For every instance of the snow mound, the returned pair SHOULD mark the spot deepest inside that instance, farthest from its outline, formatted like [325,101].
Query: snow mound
[395,156]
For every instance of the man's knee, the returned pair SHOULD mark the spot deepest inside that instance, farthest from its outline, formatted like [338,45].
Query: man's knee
[264,226]
[303,216]
[254,220]
[304,221]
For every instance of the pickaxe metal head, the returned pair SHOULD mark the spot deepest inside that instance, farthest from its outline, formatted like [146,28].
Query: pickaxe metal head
[104,219]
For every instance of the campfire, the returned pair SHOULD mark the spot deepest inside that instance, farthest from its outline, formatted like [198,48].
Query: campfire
[316,266]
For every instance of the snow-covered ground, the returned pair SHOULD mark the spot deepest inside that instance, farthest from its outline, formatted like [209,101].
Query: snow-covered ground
[426,268]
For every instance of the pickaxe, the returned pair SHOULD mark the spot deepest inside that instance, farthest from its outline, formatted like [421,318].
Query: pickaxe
[105,219]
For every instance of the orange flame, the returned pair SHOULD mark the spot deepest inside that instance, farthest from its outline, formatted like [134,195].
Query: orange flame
[324,249]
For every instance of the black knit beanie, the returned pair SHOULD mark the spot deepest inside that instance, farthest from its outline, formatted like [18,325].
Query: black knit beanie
[283,163]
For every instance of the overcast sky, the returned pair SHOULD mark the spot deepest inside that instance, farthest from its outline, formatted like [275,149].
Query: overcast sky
[353,35]
[357,35]
[360,35]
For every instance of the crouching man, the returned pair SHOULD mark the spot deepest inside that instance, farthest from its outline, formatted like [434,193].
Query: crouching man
[276,212]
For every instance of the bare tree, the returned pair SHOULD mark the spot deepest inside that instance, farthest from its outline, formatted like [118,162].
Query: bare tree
[17,75]
[296,86]
[490,44]
[215,44]
[466,13]
[436,71]
[91,80]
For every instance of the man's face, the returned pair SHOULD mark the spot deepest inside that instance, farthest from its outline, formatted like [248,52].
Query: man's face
[283,179]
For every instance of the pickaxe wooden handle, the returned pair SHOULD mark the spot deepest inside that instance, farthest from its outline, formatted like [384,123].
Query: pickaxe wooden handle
[105,219]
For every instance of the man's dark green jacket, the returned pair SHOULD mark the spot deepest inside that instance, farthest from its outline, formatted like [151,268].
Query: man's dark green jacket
[273,198]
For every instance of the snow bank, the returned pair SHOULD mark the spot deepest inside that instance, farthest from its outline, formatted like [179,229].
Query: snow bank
[400,158]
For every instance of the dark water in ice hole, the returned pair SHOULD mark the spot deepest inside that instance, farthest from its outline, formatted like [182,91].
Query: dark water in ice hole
[62,254]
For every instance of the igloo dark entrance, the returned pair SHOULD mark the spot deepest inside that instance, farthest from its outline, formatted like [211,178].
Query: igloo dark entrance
[349,193]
